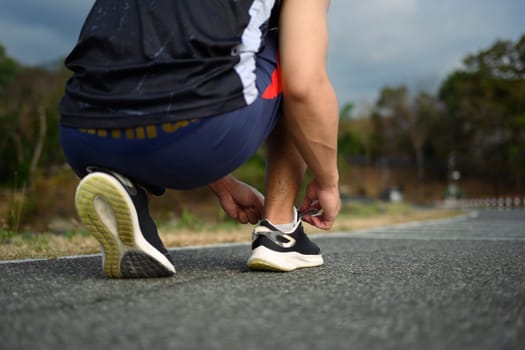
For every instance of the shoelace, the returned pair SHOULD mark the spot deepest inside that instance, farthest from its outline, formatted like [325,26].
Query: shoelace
[274,235]
[311,212]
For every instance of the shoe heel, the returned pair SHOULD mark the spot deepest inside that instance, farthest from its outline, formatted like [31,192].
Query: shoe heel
[109,213]
[105,213]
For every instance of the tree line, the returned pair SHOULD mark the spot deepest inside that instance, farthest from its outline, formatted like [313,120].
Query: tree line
[29,119]
[475,123]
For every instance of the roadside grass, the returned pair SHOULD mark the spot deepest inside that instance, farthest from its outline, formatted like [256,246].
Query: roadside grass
[189,230]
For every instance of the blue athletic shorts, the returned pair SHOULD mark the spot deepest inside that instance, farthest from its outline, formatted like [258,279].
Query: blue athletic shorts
[185,154]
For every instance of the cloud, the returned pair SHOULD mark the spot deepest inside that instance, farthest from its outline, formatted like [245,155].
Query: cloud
[35,43]
[36,31]
[385,42]
[62,15]
[373,43]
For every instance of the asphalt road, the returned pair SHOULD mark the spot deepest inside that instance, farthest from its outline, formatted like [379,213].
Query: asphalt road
[456,284]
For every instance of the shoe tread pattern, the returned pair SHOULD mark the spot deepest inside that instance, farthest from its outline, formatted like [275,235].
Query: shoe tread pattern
[91,188]
[136,264]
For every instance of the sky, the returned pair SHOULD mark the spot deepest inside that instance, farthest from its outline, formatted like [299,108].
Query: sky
[373,43]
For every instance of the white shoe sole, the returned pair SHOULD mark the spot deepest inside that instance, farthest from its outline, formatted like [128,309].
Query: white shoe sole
[107,211]
[265,259]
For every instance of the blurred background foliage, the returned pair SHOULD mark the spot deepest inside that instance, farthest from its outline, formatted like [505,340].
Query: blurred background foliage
[474,125]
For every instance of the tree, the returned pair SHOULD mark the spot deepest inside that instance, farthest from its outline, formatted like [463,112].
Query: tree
[29,122]
[486,106]
[356,135]
[410,118]
[346,111]
[8,69]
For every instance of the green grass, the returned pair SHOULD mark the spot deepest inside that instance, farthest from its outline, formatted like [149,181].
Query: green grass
[189,229]
[367,210]
[7,235]
[190,221]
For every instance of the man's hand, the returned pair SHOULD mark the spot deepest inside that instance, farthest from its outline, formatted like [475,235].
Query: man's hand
[325,199]
[240,201]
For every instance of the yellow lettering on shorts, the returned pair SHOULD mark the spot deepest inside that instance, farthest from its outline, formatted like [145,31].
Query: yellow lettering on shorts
[116,133]
[130,135]
[151,131]
[140,133]
[172,127]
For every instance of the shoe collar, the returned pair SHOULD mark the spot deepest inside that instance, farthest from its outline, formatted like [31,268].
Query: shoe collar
[269,225]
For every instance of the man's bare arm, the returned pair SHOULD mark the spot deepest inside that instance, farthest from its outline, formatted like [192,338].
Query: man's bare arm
[310,103]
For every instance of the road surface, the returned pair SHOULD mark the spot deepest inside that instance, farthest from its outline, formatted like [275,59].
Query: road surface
[449,284]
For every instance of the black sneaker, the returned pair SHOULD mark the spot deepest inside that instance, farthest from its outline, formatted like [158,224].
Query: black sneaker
[116,212]
[273,250]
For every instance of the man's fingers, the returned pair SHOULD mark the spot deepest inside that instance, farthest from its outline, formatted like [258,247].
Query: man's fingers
[306,203]
[242,217]
[253,217]
[319,222]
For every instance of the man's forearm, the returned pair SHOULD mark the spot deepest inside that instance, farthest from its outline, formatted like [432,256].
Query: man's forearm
[222,184]
[312,122]
[310,103]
